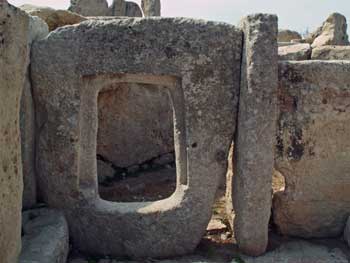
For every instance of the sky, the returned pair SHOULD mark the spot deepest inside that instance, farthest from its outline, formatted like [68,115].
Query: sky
[297,15]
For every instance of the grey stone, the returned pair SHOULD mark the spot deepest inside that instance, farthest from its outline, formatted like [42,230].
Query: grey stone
[38,29]
[132,9]
[295,52]
[286,35]
[135,124]
[14,50]
[45,237]
[255,140]
[53,18]
[118,8]
[165,159]
[313,149]
[331,53]
[105,171]
[151,7]
[89,7]
[300,251]
[333,32]
[347,232]
[201,74]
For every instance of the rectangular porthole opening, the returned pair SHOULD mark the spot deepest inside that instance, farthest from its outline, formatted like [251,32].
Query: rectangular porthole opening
[135,143]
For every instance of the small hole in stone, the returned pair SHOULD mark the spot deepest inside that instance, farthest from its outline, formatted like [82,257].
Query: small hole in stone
[194,145]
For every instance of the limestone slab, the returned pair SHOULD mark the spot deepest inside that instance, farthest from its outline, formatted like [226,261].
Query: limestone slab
[254,142]
[198,64]
[295,52]
[313,148]
[14,50]
[45,237]
[331,53]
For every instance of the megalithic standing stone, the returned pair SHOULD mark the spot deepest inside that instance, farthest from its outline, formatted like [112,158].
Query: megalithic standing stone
[14,49]
[151,7]
[255,140]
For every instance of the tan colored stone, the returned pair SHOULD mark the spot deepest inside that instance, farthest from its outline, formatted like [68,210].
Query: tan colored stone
[54,18]
[294,52]
[89,7]
[333,32]
[331,53]
[14,50]
[285,35]
[151,7]
[313,148]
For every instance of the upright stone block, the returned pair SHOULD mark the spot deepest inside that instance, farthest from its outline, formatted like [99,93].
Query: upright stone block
[313,149]
[14,25]
[197,63]
[255,139]
[151,7]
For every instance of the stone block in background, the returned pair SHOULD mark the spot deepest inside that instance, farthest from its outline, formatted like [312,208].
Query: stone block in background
[331,53]
[294,52]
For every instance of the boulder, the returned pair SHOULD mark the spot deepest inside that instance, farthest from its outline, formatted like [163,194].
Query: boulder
[313,148]
[331,53]
[89,7]
[38,29]
[299,251]
[285,35]
[151,7]
[14,54]
[133,10]
[45,237]
[294,52]
[255,140]
[347,232]
[333,32]
[54,18]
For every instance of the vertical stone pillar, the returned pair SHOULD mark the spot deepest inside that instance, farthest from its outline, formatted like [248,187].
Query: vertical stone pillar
[14,50]
[151,7]
[255,141]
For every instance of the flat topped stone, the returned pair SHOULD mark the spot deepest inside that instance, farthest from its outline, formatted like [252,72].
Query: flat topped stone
[295,52]
[197,63]
[331,53]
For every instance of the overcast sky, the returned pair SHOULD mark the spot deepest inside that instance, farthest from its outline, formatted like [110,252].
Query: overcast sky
[293,14]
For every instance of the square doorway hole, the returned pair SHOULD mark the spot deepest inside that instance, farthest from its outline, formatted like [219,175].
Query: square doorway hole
[135,143]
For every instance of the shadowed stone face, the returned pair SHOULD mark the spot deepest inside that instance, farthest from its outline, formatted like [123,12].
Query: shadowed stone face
[14,53]
[197,63]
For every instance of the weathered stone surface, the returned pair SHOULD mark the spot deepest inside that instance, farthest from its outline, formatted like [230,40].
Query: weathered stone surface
[286,35]
[89,7]
[133,10]
[331,53]
[294,52]
[38,29]
[54,18]
[14,39]
[201,74]
[125,8]
[151,7]
[45,237]
[255,140]
[347,232]
[333,32]
[300,251]
[105,171]
[313,148]
[135,124]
